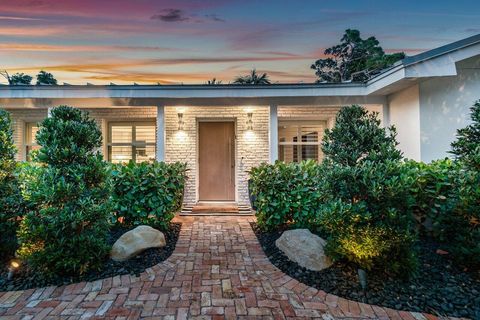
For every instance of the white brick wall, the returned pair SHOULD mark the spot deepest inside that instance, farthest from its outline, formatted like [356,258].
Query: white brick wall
[251,146]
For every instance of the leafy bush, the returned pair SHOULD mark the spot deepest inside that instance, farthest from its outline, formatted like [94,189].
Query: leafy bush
[11,204]
[147,193]
[357,136]
[433,190]
[461,229]
[286,193]
[467,146]
[366,216]
[65,232]
[366,205]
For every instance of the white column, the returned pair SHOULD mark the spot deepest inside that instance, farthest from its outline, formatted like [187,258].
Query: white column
[160,143]
[273,133]
[386,114]
[49,112]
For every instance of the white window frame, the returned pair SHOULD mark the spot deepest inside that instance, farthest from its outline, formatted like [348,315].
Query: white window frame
[299,144]
[134,144]
[28,138]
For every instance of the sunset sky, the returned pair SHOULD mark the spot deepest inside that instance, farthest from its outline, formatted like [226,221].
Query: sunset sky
[167,41]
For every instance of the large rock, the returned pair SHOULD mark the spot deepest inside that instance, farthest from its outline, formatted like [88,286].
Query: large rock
[304,248]
[135,241]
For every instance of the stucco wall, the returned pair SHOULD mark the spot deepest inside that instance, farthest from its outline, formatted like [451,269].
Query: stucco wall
[405,115]
[251,146]
[444,107]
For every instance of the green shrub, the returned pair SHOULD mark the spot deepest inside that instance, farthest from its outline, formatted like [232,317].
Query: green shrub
[11,204]
[147,193]
[357,236]
[366,207]
[461,229]
[433,190]
[358,136]
[65,232]
[286,193]
[366,215]
[467,146]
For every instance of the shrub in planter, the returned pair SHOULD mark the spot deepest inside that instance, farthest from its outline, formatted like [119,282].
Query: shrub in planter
[65,232]
[11,204]
[147,193]
[286,193]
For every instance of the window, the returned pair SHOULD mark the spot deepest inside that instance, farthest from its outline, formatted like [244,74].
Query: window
[131,141]
[31,129]
[300,140]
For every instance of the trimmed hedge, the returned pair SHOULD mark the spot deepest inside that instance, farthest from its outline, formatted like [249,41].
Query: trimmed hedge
[286,193]
[147,193]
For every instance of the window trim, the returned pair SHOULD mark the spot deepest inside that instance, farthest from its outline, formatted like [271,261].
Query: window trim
[134,144]
[299,123]
[28,138]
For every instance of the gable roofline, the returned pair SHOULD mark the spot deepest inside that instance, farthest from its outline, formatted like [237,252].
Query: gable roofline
[433,53]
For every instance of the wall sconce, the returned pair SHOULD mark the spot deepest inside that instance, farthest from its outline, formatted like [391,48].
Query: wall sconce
[180,121]
[249,121]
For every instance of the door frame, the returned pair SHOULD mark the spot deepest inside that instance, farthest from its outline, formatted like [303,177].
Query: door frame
[197,155]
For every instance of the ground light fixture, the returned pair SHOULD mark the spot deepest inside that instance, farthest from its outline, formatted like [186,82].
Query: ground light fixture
[12,267]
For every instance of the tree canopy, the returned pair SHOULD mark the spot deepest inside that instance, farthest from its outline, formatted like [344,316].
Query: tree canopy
[252,78]
[46,78]
[358,136]
[467,145]
[354,59]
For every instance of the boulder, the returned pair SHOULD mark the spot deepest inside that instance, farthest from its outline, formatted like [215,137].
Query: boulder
[136,241]
[304,248]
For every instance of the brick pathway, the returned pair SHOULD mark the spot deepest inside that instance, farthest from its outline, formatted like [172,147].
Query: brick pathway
[218,271]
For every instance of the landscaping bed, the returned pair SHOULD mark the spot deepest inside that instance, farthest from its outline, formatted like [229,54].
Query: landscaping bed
[439,287]
[25,279]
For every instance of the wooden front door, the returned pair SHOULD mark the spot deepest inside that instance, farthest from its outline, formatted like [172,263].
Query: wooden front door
[216,149]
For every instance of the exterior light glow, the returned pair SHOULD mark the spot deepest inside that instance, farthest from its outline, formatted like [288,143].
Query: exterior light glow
[180,121]
[249,121]
[14,265]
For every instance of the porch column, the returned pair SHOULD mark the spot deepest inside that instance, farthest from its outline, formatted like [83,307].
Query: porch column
[273,133]
[160,141]
[386,114]
[49,112]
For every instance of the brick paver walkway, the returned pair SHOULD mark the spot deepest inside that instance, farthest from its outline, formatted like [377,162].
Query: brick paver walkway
[218,270]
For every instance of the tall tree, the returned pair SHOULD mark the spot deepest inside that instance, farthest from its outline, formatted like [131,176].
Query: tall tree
[46,78]
[253,78]
[354,59]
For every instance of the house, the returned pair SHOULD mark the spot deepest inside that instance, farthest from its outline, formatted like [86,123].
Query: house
[223,130]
